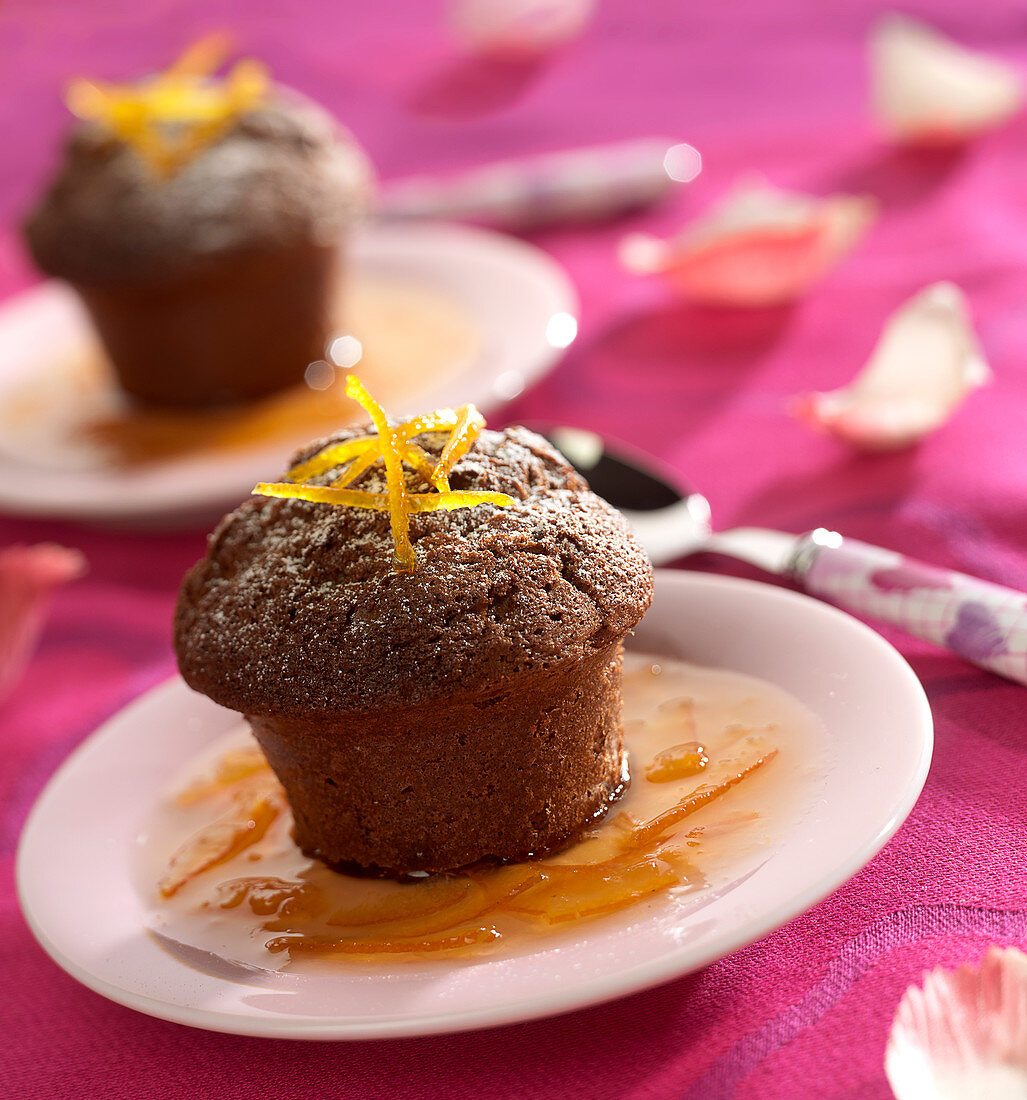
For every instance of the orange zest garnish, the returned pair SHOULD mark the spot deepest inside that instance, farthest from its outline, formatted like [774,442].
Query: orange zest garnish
[399,515]
[464,433]
[393,445]
[441,420]
[357,467]
[334,456]
[361,454]
[169,118]
[203,57]
[379,502]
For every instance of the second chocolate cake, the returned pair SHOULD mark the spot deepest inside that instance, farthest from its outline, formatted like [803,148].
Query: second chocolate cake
[213,279]
[466,710]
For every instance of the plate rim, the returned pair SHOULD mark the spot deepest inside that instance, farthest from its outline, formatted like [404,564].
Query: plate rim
[559,999]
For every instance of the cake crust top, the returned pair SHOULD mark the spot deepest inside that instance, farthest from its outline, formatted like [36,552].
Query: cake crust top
[283,173]
[296,609]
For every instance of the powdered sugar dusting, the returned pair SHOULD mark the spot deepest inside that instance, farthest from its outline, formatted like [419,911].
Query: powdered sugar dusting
[297,607]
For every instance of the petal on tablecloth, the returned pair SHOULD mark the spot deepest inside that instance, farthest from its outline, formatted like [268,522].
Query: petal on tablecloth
[28,574]
[925,363]
[963,1034]
[928,90]
[760,246]
[529,26]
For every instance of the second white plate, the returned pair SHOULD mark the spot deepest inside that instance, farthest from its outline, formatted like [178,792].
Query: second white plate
[519,307]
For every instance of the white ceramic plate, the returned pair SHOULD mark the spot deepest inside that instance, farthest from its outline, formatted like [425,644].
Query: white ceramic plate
[519,306]
[79,842]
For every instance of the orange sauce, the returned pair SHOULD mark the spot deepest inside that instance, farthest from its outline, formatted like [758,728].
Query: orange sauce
[409,338]
[236,876]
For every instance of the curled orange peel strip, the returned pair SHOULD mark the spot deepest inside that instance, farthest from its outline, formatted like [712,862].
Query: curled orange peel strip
[441,420]
[399,517]
[393,445]
[361,454]
[465,432]
[333,456]
[169,118]
[379,502]
[423,463]
[357,467]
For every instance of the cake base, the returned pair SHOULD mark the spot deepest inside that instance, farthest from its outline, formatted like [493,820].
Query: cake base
[506,776]
[245,326]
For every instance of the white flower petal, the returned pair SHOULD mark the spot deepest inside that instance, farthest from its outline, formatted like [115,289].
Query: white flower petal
[927,89]
[532,26]
[963,1036]
[760,246]
[925,363]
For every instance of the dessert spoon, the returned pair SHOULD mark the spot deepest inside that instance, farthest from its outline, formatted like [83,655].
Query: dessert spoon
[982,622]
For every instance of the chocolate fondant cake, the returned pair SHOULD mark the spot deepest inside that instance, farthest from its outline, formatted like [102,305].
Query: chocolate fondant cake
[213,282]
[465,710]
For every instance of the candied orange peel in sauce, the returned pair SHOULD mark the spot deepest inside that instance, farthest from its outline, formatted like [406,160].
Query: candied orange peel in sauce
[461,913]
[678,824]
[251,815]
[394,445]
[170,117]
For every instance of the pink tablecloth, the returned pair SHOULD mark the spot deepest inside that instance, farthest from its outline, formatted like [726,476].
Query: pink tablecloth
[776,86]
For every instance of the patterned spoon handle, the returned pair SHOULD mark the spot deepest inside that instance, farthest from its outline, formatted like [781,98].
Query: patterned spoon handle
[982,622]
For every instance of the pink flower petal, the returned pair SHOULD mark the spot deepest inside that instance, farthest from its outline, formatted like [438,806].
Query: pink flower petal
[27,576]
[963,1035]
[928,90]
[759,247]
[925,363]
